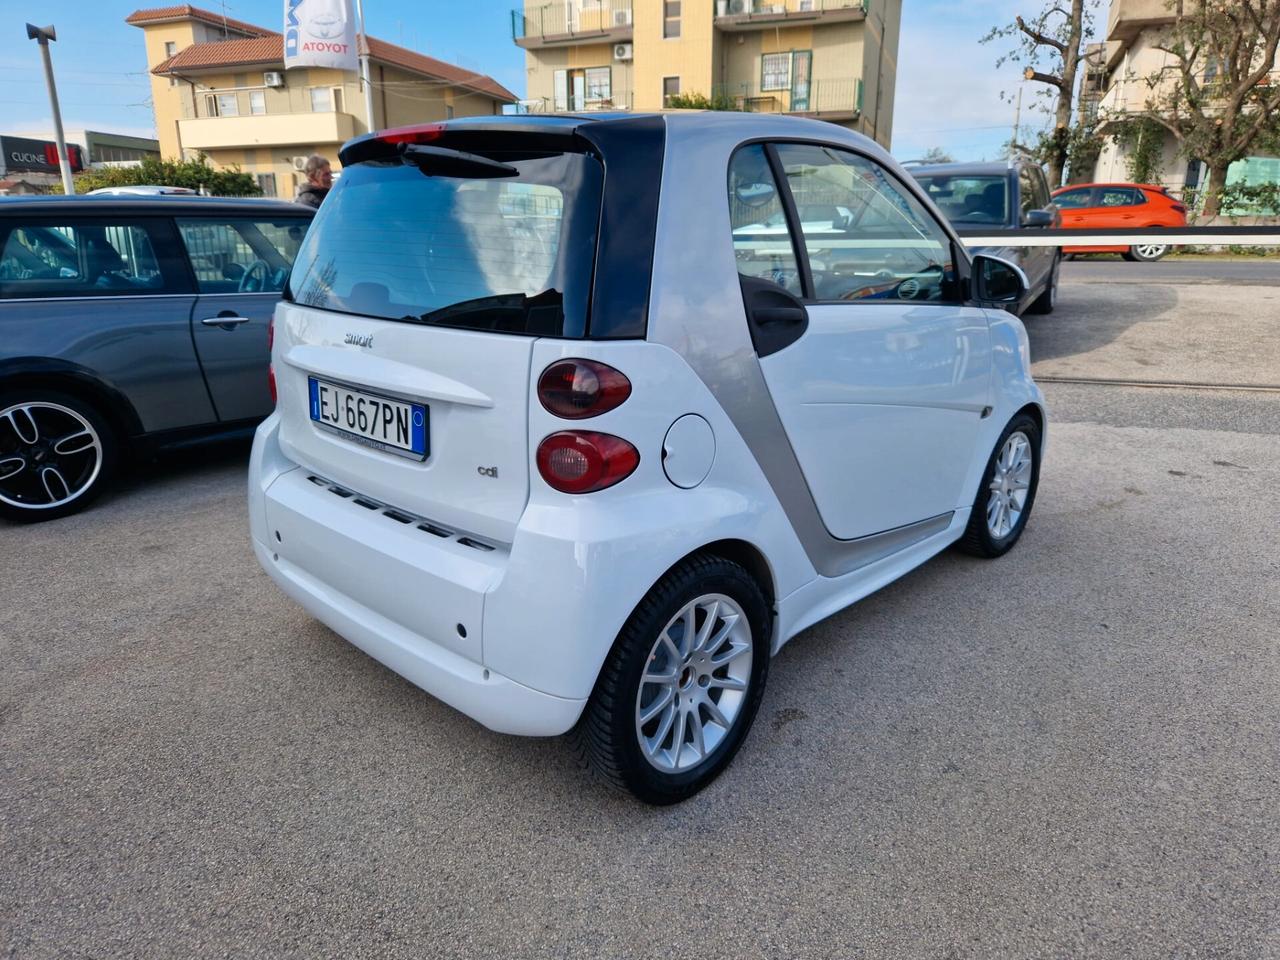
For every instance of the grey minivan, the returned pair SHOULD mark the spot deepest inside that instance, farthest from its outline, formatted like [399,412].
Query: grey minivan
[129,324]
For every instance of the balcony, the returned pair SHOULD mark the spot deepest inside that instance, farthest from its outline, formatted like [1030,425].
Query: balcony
[1127,18]
[266,130]
[583,21]
[738,15]
[824,99]
[623,100]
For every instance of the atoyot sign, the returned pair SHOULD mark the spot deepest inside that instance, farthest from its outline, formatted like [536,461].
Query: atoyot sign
[319,33]
[20,155]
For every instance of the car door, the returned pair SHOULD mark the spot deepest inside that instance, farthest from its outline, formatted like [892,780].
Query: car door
[240,264]
[882,388]
[105,294]
[1037,262]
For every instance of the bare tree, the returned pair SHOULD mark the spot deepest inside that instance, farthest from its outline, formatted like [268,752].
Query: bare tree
[1220,96]
[936,155]
[1051,45]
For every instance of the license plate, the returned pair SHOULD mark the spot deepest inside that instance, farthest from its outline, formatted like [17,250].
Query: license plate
[382,423]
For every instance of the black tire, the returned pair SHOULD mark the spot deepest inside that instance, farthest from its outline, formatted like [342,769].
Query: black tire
[978,539]
[1047,300]
[606,735]
[80,473]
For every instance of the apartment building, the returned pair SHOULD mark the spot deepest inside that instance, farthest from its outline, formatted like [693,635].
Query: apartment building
[831,59]
[219,87]
[1119,82]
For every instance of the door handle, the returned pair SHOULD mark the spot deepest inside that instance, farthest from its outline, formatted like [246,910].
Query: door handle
[220,321]
[779,315]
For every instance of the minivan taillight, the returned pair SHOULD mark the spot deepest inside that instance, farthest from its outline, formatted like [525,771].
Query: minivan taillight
[577,389]
[271,382]
[579,461]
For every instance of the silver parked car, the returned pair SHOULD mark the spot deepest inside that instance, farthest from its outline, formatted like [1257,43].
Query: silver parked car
[127,324]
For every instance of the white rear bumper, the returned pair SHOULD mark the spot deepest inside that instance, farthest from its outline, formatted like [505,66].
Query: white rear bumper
[411,600]
[493,700]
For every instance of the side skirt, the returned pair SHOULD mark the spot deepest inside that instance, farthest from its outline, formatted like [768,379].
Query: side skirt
[823,596]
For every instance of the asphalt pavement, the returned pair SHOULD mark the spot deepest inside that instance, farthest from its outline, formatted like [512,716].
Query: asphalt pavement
[1070,752]
[1263,271]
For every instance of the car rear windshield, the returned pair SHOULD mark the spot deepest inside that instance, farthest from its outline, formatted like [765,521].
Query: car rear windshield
[969,199]
[511,252]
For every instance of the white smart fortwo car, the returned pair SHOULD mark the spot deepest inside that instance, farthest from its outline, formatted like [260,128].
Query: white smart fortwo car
[579,420]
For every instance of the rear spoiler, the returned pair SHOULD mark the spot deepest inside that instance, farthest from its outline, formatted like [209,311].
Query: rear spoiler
[473,134]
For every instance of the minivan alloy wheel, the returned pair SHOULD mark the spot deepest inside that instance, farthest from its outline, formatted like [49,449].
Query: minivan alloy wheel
[1010,485]
[49,455]
[695,683]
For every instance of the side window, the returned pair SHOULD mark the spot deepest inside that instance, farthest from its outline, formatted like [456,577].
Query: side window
[762,242]
[1042,188]
[866,236]
[1120,197]
[1027,199]
[1074,199]
[86,258]
[242,256]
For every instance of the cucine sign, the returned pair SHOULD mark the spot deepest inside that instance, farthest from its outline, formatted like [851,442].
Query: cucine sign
[18,154]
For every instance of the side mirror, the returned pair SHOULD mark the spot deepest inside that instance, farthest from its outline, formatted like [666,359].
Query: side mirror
[998,281]
[1038,218]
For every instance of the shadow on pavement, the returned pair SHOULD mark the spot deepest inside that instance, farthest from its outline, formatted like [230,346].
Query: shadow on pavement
[1088,317]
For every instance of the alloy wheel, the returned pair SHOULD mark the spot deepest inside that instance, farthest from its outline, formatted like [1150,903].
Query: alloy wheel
[49,455]
[1010,484]
[694,684]
[1151,251]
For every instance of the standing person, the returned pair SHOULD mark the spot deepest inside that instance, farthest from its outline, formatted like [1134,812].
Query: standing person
[319,180]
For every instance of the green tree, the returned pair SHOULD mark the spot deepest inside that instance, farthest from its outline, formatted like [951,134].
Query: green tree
[1050,46]
[936,155]
[1217,95]
[195,174]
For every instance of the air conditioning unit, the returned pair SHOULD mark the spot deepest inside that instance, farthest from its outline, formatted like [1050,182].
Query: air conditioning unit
[273,78]
[622,18]
[622,51]
[300,164]
[737,7]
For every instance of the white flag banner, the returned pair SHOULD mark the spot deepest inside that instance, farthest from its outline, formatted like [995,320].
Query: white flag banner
[319,33]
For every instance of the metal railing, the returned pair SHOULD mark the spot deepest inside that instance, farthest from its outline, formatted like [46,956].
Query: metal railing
[571,19]
[624,100]
[1170,236]
[754,8]
[817,96]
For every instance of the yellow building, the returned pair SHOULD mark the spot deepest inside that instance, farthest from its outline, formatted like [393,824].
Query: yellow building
[831,59]
[219,87]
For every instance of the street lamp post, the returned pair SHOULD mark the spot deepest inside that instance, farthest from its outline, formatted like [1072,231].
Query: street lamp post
[364,67]
[42,36]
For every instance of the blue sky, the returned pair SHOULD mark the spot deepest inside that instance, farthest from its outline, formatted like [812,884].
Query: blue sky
[949,90]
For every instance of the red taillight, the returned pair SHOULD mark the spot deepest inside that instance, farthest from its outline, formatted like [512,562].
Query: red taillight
[578,461]
[417,133]
[577,389]
[1178,208]
[271,382]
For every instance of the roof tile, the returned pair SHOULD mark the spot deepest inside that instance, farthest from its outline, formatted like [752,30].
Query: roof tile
[268,47]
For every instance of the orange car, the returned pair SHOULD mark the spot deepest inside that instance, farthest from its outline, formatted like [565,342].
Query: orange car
[1100,206]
